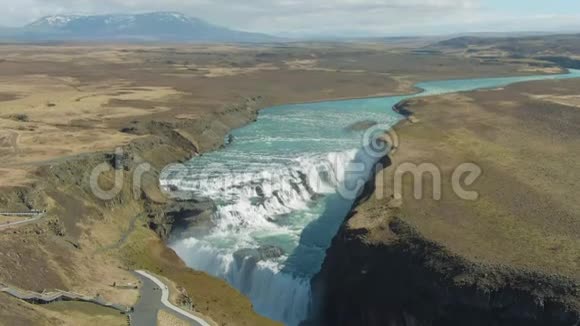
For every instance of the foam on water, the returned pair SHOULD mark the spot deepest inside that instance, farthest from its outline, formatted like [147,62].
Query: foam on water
[277,186]
[261,282]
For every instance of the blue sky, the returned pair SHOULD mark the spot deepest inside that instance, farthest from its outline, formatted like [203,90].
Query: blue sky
[332,17]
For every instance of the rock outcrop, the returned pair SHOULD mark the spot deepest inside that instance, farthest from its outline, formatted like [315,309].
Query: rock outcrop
[413,282]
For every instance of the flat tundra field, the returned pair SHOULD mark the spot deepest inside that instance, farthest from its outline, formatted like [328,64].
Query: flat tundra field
[65,108]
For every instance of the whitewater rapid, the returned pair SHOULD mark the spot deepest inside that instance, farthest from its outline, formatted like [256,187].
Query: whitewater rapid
[283,186]
[270,208]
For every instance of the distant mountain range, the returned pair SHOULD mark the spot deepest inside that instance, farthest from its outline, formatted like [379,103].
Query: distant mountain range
[157,26]
[172,27]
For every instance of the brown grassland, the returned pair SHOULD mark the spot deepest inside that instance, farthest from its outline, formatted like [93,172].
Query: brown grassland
[64,109]
[525,138]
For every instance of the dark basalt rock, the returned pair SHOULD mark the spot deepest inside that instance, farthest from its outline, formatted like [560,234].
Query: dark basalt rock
[185,219]
[415,282]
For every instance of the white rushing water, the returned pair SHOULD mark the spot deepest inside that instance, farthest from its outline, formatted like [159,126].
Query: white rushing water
[270,209]
[281,190]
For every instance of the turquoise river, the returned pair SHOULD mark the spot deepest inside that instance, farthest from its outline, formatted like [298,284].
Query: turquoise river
[282,187]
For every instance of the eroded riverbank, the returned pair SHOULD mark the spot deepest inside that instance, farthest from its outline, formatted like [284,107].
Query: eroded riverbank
[269,238]
[65,111]
[506,259]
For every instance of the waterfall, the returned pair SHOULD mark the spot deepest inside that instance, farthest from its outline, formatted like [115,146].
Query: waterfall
[279,191]
[253,210]
[274,294]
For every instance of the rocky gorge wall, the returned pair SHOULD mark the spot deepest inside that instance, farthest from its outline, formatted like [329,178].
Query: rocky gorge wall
[408,280]
[84,243]
[413,282]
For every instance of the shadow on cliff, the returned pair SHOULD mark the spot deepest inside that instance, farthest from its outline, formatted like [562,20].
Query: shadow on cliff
[306,260]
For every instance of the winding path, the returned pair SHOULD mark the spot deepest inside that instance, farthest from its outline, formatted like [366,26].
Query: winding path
[57,295]
[155,297]
[20,223]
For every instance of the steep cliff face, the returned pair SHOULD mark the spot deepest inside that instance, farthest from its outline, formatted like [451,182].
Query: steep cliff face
[438,263]
[84,244]
[181,140]
[411,282]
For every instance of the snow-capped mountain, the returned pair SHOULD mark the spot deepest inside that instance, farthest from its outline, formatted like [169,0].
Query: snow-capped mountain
[53,21]
[157,26]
